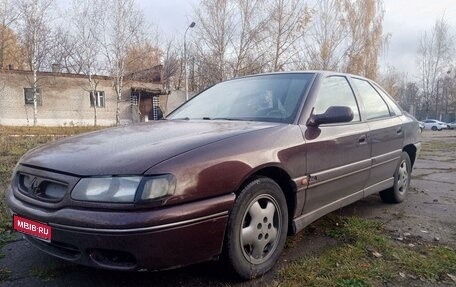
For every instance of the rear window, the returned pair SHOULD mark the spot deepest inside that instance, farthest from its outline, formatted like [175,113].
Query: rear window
[374,106]
[394,108]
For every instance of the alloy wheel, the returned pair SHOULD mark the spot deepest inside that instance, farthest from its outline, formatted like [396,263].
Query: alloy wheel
[261,224]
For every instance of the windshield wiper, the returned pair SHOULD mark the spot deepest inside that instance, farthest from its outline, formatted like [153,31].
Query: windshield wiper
[216,119]
[212,119]
[231,119]
[182,119]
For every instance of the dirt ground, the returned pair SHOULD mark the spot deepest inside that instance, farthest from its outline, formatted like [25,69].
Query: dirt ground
[427,215]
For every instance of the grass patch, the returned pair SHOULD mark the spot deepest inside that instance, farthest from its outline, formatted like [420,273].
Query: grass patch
[7,130]
[437,146]
[367,257]
[5,274]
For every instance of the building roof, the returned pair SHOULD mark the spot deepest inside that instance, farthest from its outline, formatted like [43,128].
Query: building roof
[152,75]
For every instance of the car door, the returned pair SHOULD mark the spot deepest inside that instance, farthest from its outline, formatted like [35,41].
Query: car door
[385,135]
[337,154]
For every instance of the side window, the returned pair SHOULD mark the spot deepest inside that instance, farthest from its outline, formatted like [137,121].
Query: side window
[98,99]
[336,91]
[394,108]
[28,96]
[375,107]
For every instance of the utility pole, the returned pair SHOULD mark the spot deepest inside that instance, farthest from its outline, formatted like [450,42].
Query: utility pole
[185,59]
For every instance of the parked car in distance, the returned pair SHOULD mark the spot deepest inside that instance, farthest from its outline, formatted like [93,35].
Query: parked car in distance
[229,173]
[434,125]
[451,125]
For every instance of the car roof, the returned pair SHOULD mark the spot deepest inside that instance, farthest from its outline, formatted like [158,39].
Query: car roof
[316,72]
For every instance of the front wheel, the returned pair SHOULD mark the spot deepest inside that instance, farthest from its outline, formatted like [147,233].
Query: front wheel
[257,228]
[402,177]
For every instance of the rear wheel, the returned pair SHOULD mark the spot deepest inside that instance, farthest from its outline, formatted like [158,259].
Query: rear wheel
[434,128]
[257,228]
[402,177]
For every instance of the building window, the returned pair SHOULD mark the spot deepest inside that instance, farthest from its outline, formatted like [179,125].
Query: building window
[28,96]
[98,100]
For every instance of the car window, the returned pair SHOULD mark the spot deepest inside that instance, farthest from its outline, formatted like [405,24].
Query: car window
[394,108]
[270,98]
[336,91]
[374,106]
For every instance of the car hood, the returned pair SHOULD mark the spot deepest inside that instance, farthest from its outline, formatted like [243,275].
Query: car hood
[133,149]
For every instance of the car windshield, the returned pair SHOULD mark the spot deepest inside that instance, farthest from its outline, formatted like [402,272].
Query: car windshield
[270,98]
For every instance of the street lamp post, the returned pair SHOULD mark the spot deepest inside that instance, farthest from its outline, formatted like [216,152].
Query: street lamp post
[185,59]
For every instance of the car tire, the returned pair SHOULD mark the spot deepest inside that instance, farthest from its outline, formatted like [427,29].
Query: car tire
[402,175]
[434,128]
[257,228]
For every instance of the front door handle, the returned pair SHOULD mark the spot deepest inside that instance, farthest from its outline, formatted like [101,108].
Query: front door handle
[362,139]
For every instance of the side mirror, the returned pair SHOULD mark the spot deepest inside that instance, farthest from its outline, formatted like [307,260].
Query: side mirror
[333,115]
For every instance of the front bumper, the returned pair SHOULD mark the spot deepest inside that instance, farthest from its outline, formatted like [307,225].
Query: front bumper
[171,237]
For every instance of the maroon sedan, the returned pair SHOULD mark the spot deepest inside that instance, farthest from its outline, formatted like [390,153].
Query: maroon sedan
[231,172]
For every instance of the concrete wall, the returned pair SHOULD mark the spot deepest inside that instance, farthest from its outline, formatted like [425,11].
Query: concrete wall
[65,100]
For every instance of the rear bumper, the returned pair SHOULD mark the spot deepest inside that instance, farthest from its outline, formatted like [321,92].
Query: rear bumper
[197,236]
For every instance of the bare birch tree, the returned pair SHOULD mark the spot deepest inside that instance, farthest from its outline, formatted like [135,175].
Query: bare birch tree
[215,31]
[34,30]
[64,50]
[324,44]
[287,20]
[86,55]
[251,22]
[123,26]
[171,63]
[435,50]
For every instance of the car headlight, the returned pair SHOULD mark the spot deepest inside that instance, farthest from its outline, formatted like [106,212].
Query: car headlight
[123,189]
[156,187]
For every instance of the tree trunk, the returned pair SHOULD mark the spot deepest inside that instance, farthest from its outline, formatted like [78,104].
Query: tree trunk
[93,91]
[119,98]
[35,99]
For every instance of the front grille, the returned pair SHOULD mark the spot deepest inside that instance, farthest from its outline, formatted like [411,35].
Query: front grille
[42,188]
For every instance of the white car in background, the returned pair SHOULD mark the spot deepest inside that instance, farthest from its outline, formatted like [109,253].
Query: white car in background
[452,125]
[434,125]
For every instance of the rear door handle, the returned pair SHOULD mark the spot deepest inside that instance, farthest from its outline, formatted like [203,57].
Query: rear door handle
[399,131]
